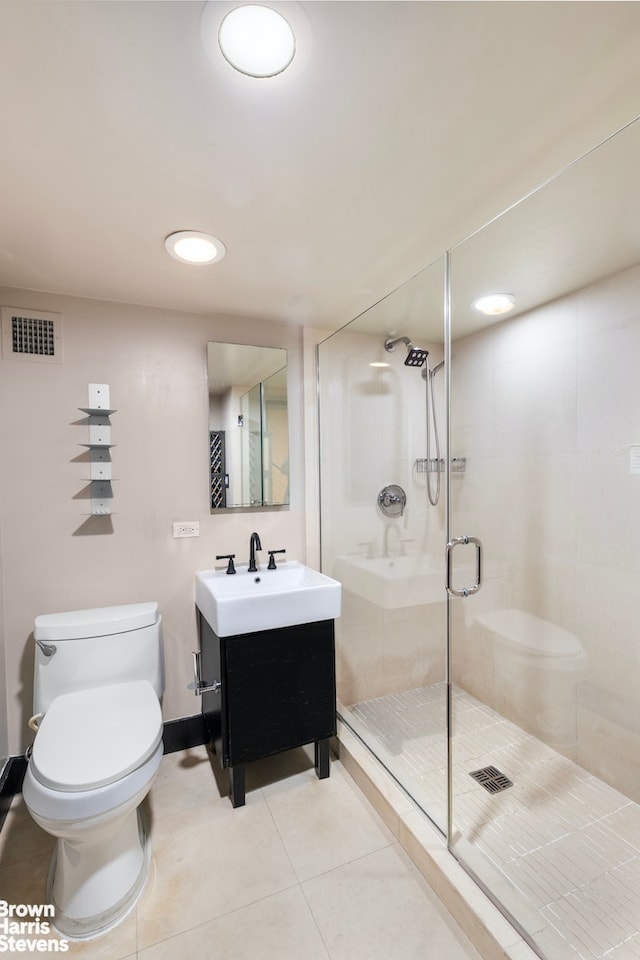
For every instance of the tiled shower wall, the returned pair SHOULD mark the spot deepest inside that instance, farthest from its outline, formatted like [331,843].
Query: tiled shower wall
[372,431]
[546,408]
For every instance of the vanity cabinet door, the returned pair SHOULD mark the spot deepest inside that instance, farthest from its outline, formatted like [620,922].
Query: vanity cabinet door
[279,690]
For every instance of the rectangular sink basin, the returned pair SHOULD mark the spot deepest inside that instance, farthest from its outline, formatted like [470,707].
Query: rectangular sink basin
[246,602]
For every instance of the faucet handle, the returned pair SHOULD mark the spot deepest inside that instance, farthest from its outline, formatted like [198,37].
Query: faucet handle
[230,557]
[272,562]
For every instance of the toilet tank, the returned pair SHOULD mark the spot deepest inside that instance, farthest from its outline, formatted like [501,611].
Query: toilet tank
[81,649]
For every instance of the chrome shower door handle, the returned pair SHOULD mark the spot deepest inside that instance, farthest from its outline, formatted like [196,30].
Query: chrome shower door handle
[464,591]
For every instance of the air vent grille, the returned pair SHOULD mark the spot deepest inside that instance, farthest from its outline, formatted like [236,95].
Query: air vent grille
[31,335]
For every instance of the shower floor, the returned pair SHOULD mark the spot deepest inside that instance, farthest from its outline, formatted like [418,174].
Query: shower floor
[559,849]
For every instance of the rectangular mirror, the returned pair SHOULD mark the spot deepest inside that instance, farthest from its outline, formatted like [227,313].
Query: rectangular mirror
[248,426]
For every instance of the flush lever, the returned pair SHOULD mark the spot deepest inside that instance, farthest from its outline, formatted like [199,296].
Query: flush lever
[47,648]
[199,686]
[464,591]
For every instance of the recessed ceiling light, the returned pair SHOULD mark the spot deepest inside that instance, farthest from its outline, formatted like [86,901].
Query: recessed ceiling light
[495,304]
[379,364]
[257,40]
[191,246]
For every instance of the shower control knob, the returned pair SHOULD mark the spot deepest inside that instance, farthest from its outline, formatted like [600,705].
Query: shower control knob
[392,500]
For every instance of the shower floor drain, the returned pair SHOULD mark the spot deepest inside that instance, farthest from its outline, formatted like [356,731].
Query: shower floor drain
[491,779]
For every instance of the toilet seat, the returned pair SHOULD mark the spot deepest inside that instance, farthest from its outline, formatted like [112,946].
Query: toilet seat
[60,806]
[91,738]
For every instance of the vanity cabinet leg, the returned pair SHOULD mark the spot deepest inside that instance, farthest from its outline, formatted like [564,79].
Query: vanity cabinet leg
[236,785]
[322,759]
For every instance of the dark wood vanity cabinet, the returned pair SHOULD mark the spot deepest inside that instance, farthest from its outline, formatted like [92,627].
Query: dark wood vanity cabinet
[277,691]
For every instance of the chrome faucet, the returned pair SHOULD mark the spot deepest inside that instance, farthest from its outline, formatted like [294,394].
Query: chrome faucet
[254,544]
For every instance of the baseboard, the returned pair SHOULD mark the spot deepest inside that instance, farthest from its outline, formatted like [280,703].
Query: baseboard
[184,733]
[11,783]
[177,734]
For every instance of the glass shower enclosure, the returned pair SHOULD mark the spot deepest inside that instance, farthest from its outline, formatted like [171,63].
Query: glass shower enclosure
[488,650]
[390,650]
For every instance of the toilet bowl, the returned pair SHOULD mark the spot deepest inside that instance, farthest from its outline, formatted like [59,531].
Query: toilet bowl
[96,753]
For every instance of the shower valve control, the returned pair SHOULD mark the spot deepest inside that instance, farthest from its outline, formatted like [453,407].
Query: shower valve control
[392,500]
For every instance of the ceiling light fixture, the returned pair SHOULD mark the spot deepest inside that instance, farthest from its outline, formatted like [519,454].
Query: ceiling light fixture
[495,304]
[257,40]
[191,246]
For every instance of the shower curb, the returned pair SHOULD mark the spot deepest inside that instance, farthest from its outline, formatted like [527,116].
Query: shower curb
[488,930]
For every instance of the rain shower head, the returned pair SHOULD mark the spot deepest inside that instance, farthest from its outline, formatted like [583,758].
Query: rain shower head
[416,356]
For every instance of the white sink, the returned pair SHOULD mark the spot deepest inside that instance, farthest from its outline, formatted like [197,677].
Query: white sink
[245,602]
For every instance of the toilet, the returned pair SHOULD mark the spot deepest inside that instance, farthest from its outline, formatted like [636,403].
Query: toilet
[98,679]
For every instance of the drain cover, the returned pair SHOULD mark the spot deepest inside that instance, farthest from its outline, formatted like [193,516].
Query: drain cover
[491,779]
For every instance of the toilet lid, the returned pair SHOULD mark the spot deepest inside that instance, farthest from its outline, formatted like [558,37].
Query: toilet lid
[93,737]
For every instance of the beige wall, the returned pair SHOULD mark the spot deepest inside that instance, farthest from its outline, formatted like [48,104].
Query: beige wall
[4,737]
[53,556]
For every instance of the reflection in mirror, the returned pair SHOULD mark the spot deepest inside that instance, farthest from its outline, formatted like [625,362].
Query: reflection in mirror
[248,426]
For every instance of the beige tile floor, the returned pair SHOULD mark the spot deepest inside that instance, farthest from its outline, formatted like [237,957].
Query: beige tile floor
[305,870]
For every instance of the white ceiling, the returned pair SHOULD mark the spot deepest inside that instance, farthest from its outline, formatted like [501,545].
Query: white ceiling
[406,126]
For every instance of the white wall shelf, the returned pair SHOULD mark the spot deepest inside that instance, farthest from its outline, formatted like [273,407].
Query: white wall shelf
[97,411]
[99,445]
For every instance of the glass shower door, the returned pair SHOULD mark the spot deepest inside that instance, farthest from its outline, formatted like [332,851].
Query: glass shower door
[390,638]
[544,670]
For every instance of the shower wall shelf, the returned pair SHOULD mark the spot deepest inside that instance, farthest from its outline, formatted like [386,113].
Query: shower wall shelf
[458,465]
[100,470]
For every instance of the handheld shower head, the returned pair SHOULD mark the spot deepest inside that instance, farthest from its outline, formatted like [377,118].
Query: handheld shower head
[428,374]
[416,356]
